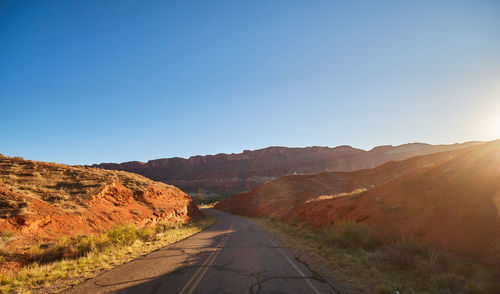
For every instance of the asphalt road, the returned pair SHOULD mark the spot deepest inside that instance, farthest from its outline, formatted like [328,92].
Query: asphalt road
[233,256]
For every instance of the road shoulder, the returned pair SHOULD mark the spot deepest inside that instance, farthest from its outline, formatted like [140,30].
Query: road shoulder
[318,266]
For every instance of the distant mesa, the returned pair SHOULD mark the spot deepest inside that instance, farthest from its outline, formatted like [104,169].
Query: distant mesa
[236,173]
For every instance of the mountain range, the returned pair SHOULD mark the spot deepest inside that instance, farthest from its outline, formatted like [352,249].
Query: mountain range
[240,172]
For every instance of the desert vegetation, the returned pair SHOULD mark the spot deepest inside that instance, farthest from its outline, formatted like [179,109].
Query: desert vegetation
[65,261]
[353,194]
[62,185]
[446,200]
[51,212]
[429,224]
[373,263]
[209,199]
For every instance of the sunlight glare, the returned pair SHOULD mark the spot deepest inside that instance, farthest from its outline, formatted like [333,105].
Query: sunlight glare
[496,127]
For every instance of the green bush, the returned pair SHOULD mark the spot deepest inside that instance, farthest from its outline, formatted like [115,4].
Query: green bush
[86,255]
[122,235]
[75,247]
[146,233]
[79,246]
[83,245]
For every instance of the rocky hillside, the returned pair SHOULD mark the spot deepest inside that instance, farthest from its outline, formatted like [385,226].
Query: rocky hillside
[450,200]
[44,201]
[235,173]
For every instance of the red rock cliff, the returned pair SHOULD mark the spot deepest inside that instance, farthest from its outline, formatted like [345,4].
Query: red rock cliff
[235,173]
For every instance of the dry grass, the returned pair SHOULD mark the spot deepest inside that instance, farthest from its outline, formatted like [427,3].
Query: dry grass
[354,194]
[5,248]
[69,188]
[373,264]
[62,185]
[11,207]
[73,259]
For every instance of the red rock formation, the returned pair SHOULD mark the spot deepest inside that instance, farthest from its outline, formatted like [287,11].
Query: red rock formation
[235,173]
[45,201]
[449,200]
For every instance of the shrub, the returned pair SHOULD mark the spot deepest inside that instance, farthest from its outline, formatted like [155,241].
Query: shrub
[450,282]
[122,235]
[382,264]
[9,208]
[274,217]
[349,234]
[403,253]
[85,255]
[146,233]
[4,280]
[384,289]
[209,199]
[5,239]
[463,269]
[83,245]
[50,252]
[79,246]
[482,288]
[165,226]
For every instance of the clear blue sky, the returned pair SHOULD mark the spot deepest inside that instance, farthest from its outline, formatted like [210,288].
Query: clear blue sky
[108,81]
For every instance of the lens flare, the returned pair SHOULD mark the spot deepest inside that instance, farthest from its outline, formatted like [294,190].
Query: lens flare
[496,127]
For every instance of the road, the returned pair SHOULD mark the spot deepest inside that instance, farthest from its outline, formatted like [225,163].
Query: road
[235,255]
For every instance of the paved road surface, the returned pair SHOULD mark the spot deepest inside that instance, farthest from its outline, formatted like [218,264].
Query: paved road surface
[233,256]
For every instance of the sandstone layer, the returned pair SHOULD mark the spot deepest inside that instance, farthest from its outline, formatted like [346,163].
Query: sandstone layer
[236,173]
[42,201]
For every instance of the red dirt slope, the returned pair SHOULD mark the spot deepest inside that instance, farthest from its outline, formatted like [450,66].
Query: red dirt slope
[44,201]
[450,200]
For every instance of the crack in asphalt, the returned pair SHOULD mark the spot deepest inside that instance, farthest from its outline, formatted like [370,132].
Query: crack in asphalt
[259,277]
[254,272]
[317,276]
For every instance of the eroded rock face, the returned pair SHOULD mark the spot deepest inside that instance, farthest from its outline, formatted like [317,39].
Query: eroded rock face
[113,205]
[235,173]
[44,201]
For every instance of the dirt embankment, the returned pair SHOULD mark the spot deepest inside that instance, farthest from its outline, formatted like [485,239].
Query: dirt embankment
[449,200]
[43,201]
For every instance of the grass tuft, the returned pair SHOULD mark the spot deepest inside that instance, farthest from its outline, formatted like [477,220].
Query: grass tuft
[349,234]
